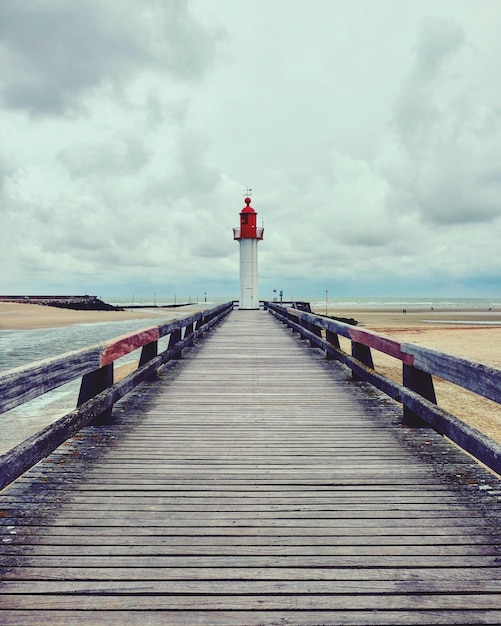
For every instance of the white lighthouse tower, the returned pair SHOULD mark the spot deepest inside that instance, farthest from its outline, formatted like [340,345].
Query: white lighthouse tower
[248,235]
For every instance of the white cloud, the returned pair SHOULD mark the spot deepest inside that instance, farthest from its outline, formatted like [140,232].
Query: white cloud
[370,133]
[55,52]
[444,164]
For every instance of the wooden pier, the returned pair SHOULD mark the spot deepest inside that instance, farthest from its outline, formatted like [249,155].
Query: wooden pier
[254,482]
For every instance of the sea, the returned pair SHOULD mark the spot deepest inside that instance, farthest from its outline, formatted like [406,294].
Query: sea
[481,304]
[19,348]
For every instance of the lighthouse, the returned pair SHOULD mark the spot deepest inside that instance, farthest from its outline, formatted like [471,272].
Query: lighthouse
[248,235]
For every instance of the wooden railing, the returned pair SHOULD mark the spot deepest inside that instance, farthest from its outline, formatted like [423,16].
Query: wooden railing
[98,392]
[419,365]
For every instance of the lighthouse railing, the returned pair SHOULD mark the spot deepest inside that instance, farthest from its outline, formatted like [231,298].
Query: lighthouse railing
[237,233]
[98,389]
[419,365]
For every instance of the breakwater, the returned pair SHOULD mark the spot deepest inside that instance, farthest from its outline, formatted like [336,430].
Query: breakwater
[78,303]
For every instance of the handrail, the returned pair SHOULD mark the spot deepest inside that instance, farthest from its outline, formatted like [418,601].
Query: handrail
[98,392]
[416,393]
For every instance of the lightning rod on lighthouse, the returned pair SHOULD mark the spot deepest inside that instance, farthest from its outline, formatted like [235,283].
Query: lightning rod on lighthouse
[248,235]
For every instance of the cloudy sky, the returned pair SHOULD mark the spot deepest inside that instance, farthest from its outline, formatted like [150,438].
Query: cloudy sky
[369,131]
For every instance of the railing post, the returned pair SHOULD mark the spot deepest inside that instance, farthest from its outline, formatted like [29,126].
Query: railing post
[175,337]
[304,324]
[199,324]
[333,339]
[149,352]
[422,383]
[188,334]
[316,330]
[92,384]
[362,353]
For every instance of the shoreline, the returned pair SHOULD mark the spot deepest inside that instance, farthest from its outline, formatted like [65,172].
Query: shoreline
[28,316]
[387,317]
[14,316]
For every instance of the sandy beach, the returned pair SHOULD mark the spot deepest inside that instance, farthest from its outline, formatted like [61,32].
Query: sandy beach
[474,334]
[15,316]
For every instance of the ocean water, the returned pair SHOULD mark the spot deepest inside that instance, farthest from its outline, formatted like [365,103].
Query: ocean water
[154,300]
[409,303]
[21,347]
[319,301]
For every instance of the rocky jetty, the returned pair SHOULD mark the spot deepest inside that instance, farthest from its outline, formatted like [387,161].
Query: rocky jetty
[78,303]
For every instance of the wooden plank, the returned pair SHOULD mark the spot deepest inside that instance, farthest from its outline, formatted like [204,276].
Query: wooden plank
[254,483]
[289,549]
[254,618]
[246,539]
[271,602]
[431,575]
[236,587]
[29,535]
[305,562]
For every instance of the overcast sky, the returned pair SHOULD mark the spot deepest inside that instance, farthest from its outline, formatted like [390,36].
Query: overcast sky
[369,131]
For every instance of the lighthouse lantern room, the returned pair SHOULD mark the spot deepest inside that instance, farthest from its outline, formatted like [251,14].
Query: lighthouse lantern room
[248,235]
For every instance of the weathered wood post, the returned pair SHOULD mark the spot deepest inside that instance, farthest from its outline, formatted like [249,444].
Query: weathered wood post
[304,324]
[175,338]
[332,338]
[188,334]
[362,353]
[316,330]
[422,383]
[199,324]
[149,352]
[292,318]
[92,384]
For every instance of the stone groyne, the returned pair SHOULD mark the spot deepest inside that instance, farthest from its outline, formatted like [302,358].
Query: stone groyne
[79,303]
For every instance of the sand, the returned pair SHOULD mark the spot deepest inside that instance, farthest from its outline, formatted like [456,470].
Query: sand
[453,331]
[15,316]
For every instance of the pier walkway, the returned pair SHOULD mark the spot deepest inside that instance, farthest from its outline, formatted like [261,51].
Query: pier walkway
[254,483]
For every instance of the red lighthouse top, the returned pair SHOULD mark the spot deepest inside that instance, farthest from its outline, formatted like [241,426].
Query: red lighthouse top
[248,208]
[248,227]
